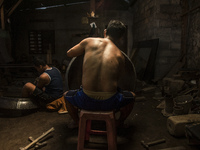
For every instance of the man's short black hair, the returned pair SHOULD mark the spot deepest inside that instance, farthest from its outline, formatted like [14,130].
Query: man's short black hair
[115,29]
[38,61]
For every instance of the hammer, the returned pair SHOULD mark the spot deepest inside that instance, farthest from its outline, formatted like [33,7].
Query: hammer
[146,145]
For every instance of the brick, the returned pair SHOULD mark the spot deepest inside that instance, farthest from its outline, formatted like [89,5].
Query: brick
[175,2]
[166,23]
[176,124]
[170,9]
[161,2]
[164,44]
[175,45]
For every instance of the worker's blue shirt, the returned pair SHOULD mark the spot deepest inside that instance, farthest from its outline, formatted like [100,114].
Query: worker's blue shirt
[55,87]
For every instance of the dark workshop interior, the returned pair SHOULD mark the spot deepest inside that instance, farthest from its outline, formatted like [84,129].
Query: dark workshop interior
[162,49]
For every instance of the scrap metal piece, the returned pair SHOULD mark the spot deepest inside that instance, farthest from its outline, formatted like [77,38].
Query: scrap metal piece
[16,106]
[12,103]
[147,145]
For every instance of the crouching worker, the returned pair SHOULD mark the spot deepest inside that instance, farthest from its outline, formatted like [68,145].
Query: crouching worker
[48,88]
[103,64]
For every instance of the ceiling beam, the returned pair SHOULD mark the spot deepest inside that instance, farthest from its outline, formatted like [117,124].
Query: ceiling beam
[14,7]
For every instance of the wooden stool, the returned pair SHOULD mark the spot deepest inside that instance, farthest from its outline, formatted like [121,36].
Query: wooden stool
[85,127]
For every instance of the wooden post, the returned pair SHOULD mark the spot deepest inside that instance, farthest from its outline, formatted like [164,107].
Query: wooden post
[49,55]
[2,18]
[92,6]
[1,2]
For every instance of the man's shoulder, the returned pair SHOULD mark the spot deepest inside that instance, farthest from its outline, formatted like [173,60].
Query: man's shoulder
[54,71]
[44,75]
[44,78]
[94,42]
[55,68]
[93,39]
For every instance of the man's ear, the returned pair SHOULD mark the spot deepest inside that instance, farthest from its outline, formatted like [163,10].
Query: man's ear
[104,33]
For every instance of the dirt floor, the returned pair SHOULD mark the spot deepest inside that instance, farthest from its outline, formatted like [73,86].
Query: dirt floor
[146,123]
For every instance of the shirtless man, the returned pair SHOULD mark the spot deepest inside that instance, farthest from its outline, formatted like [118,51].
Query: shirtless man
[49,86]
[103,64]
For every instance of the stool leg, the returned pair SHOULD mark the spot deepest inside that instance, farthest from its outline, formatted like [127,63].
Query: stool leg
[85,128]
[111,135]
[88,129]
[81,133]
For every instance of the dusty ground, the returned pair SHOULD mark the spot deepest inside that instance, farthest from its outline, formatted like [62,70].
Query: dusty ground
[146,123]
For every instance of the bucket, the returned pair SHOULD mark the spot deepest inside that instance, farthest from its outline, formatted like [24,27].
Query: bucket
[177,110]
[184,102]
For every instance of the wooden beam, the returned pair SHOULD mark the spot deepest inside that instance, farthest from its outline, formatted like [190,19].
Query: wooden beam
[14,7]
[1,2]
[92,6]
[193,9]
[99,4]
[2,18]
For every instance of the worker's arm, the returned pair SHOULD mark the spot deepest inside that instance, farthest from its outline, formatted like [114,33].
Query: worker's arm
[78,49]
[43,81]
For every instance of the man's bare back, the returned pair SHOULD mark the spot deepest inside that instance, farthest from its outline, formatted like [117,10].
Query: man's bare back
[101,66]
[103,62]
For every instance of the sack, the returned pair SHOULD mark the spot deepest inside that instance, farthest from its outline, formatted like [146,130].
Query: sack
[58,105]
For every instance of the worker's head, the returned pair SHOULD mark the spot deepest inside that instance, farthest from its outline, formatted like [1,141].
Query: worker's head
[39,64]
[115,30]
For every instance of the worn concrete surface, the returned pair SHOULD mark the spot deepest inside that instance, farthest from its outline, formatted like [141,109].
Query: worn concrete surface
[146,123]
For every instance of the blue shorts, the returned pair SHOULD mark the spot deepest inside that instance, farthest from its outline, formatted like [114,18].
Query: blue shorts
[79,99]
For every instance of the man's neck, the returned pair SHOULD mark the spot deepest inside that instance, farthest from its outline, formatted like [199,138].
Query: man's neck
[46,67]
[110,38]
[114,41]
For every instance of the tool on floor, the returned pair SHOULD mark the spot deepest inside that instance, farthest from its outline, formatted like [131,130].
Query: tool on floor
[147,145]
[36,141]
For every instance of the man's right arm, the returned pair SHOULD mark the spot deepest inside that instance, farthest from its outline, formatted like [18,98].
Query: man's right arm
[44,80]
[78,49]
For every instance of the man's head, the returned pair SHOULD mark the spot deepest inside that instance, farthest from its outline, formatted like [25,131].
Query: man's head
[39,64]
[115,29]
